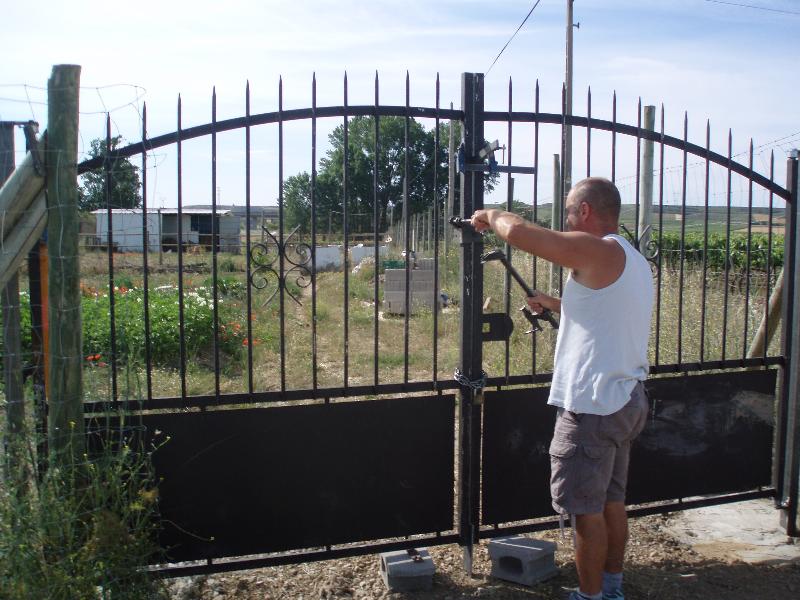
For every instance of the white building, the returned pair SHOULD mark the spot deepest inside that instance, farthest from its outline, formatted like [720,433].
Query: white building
[127,229]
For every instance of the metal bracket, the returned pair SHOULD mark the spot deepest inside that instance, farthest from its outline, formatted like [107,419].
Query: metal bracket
[490,165]
[500,327]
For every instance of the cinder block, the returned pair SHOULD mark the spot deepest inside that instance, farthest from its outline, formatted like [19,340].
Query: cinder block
[522,560]
[407,570]
[421,293]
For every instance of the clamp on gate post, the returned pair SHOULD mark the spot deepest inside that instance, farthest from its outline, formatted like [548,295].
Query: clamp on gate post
[488,162]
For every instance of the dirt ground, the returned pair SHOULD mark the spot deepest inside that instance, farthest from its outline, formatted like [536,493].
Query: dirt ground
[658,568]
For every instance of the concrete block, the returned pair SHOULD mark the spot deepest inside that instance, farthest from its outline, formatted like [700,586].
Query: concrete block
[522,560]
[425,264]
[407,570]
[422,290]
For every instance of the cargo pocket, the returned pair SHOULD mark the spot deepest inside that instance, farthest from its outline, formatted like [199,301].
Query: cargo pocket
[562,449]
[562,474]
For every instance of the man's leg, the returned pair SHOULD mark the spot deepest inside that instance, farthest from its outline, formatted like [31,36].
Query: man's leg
[616,521]
[592,545]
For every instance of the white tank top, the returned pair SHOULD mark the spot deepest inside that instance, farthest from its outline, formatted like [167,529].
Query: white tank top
[601,349]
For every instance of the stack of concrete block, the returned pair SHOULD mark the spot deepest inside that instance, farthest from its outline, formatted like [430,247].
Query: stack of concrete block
[407,570]
[394,290]
[522,560]
[425,264]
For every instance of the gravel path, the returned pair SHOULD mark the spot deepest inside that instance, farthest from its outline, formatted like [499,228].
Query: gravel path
[658,568]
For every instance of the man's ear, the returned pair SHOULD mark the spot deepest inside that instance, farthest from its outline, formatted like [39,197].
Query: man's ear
[585,210]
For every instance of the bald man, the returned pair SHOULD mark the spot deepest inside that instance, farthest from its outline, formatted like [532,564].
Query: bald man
[600,364]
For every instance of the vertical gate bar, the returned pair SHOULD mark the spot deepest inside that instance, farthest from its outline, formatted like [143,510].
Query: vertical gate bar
[248,241]
[787,441]
[534,272]
[660,238]
[376,208]
[727,248]
[683,237]
[407,225]
[614,138]
[509,208]
[705,248]
[749,249]
[148,361]
[181,315]
[589,133]
[436,238]
[471,320]
[314,381]
[110,244]
[637,233]
[281,241]
[214,241]
[345,230]
[767,291]
[787,333]
[562,177]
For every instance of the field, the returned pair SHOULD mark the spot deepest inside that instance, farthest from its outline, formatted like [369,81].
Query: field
[682,316]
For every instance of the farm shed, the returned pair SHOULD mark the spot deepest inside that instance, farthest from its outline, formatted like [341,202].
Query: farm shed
[127,229]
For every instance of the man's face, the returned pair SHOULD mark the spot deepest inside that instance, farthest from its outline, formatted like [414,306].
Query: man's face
[572,214]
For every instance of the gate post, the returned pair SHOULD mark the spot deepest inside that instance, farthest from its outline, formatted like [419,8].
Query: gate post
[787,443]
[471,357]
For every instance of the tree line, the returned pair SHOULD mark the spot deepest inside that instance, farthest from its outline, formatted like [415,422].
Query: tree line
[365,187]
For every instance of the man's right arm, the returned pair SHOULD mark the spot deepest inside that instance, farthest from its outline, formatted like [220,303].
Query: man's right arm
[540,302]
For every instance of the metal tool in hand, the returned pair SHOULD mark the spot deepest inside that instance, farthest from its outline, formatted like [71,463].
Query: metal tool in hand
[461,222]
[533,319]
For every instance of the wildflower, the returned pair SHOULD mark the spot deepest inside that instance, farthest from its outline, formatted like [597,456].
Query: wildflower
[148,496]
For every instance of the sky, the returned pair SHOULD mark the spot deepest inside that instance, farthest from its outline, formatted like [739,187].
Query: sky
[731,65]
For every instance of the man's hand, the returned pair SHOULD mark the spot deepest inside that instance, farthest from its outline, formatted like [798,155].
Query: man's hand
[539,302]
[480,220]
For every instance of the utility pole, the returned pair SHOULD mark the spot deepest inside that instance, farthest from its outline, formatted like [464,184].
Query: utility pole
[646,182]
[566,163]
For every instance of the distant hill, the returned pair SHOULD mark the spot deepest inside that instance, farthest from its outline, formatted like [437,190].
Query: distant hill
[670,216]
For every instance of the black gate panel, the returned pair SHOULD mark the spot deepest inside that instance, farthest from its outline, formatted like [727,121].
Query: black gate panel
[238,482]
[517,428]
[708,434]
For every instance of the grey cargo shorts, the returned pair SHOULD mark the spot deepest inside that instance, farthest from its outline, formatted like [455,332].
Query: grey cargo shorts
[589,456]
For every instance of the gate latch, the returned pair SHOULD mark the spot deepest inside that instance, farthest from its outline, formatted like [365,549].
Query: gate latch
[500,327]
[488,162]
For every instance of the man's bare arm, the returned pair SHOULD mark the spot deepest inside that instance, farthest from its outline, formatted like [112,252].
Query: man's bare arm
[572,249]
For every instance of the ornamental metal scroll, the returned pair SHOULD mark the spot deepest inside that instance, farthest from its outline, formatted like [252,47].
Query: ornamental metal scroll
[263,260]
[646,245]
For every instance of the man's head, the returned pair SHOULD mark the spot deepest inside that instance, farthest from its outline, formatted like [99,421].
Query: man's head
[593,206]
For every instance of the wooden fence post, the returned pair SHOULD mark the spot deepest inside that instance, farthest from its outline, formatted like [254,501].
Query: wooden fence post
[12,346]
[65,354]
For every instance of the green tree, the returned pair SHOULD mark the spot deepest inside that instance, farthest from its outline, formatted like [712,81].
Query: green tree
[297,202]
[361,192]
[125,183]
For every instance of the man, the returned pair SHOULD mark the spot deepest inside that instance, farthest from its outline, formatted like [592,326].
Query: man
[600,364]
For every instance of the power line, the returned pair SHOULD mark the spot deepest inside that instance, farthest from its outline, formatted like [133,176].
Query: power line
[775,10]
[513,36]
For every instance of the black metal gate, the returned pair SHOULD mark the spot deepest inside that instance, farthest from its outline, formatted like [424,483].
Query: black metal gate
[312,471]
